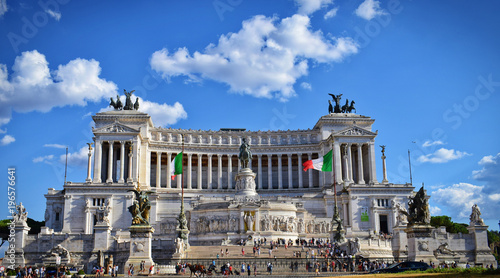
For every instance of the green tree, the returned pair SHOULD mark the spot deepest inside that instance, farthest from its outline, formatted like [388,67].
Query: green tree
[451,227]
[33,224]
[493,236]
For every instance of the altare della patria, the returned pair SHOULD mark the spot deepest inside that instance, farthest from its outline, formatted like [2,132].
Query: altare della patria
[237,187]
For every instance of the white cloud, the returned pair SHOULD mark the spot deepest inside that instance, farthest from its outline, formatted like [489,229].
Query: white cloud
[331,13]
[46,159]
[494,197]
[55,14]
[32,87]
[459,198]
[306,86]
[490,171]
[369,9]
[57,146]
[2,131]
[430,143]
[79,158]
[434,210]
[7,139]
[263,59]
[307,7]
[161,114]
[442,156]
[489,159]
[3,7]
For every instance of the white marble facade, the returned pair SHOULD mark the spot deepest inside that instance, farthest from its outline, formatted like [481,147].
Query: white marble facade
[129,151]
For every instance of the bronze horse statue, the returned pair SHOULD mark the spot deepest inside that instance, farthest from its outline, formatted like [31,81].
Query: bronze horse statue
[245,153]
[351,107]
[345,106]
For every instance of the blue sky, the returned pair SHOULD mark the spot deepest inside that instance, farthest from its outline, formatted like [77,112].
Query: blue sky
[427,71]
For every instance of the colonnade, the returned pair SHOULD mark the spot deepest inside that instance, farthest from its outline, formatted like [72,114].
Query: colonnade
[217,171]
[113,171]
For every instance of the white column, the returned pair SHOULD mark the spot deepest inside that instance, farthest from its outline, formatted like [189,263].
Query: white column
[371,163]
[322,175]
[169,174]
[349,163]
[200,172]
[345,171]
[97,161]
[229,171]
[385,181]
[219,171]
[110,163]
[158,169]
[189,169]
[299,169]
[259,171]
[122,161]
[360,165]
[130,164]
[209,172]
[269,171]
[290,174]
[239,164]
[280,174]
[89,165]
[337,162]
[310,173]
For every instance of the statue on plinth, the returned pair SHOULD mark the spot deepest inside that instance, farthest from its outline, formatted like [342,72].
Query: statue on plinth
[118,105]
[475,216]
[418,209]
[20,215]
[245,153]
[140,208]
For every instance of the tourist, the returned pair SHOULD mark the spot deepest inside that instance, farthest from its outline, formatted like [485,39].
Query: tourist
[227,252]
[254,269]
[243,251]
[248,269]
[243,268]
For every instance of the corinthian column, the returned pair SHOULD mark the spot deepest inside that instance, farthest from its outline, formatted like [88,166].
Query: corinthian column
[158,169]
[349,163]
[229,171]
[189,169]
[269,171]
[310,173]
[169,174]
[219,171]
[110,163]
[259,170]
[299,169]
[371,163]
[290,174]
[361,179]
[200,172]
[280,174]
[337,161]
[130,164]
[89,179]
[209,172]
[122,161]
[97,161]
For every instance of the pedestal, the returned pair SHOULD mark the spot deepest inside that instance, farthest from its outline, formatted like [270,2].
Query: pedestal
[245,183]
[140,246]
[420,243]
[400,243]
[14,256]
[482,253]
[102,235]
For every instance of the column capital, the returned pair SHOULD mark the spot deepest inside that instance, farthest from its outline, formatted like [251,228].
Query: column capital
[279,155]
[189,155]
[111,142]
[219,155]
[259,155]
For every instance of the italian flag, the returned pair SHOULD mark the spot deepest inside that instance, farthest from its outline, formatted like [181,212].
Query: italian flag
[322,164]
[176,166]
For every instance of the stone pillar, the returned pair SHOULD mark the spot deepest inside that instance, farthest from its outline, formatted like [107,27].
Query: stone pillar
[97,161]
[322,176]
[337,162]
[21,233]
[122,162]
[259,170]
[299,169]
[229,171]
[345,171]
[280,173]
[169,174]
[269,170]
[110,163]
[349,163]
[384,181]
[371,163]
[158,169]
[140,246]
[310,173]
[482,253]
[189,171]
[420,243]
[209,172]
[200,172]
[89,166]
[102,237]
[361,179]
[290,174]
[130,165]
[219,171]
